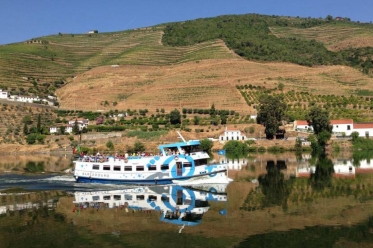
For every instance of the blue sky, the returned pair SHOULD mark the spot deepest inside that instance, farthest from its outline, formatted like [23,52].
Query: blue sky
[21,20]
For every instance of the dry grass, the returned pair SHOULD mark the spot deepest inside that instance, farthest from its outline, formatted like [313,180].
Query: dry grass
[198,85]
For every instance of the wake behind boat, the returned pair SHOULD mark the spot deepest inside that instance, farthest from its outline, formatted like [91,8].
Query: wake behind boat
[177,163]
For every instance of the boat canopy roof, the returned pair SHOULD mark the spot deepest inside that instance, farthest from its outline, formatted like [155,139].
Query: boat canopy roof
[180,144]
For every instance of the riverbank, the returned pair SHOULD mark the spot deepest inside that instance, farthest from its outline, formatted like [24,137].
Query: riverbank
[122,143]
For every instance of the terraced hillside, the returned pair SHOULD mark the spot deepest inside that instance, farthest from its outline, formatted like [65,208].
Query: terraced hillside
[199,84]
[13,118]
[335,36]
[59,57]
[41,65]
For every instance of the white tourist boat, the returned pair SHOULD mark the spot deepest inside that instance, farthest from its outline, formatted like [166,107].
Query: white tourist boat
[177,204]
[177,163]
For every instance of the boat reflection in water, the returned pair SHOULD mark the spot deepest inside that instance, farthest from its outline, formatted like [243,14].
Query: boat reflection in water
[178,205]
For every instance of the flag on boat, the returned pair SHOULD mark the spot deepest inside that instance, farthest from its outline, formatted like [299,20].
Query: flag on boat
[221,152]
[223,212]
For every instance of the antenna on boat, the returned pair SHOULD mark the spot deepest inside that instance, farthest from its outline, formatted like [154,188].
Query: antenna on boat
[180,136]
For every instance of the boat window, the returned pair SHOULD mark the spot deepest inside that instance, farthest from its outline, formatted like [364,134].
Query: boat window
[152,198]
[117,197]
[201,204]
[96,197]
[106,167]
[127,168]
[164,167]
[187,165]
[165,198]
[128,197]
[95,167]
[106,197]
[139,168]
[152,168]
[117,167]
[199,162]
[140,197]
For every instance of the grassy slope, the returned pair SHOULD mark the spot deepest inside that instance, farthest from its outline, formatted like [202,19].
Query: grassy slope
[64,56]
[335,36]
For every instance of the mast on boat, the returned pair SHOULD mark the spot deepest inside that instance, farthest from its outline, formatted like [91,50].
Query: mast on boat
[180,136]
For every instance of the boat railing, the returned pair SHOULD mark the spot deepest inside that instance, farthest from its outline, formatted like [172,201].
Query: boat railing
[101,159]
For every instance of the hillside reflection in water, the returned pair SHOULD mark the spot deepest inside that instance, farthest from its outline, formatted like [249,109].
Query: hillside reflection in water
[275,201]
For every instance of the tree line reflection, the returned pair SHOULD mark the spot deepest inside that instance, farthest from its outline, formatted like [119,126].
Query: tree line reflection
[275,190]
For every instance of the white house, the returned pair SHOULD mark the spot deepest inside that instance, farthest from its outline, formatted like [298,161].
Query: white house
[232,134]
[364,129]
[3,94]
[53,130]
[29,99]
[56,130]
[82,123]
[340,127]
[69,129]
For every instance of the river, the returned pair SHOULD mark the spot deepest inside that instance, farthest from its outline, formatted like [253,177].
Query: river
[274,201]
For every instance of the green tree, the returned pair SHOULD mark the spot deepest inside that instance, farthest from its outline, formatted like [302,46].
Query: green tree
[62,129]
[76,127]
[27,119]
[110,145]
[271,113]
[281,86]
[38,125]
[319,119]
[236,148]
[329,18]
[31,138]
[25,129]
[212,111]
[354,136]
[206,145]
[175,117]
[223,119]
[196,120]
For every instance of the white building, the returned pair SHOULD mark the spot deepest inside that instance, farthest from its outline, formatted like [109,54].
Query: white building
[82,123]
[53,130]
[3,94]
[340,127]
[57,130]
[232,134]
[29,99]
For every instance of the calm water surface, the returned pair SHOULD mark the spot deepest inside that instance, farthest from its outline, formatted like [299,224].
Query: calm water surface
[273,202]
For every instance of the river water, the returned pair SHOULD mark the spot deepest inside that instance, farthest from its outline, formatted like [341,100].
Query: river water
[274,201]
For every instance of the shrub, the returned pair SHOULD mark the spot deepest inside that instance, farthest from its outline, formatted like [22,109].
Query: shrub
[110,145]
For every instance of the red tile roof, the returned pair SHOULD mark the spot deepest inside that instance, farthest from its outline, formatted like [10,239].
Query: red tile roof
[333,122]
[343,121]
[363,125]
[302,122]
